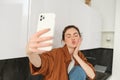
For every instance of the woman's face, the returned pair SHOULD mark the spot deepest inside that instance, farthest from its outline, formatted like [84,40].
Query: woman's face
[72,38]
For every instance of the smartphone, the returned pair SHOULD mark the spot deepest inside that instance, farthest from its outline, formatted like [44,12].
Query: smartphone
[46,20]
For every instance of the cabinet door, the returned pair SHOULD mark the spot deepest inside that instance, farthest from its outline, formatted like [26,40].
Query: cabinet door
[13,28]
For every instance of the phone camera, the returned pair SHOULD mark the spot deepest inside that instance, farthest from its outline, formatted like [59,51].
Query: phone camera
[42,17]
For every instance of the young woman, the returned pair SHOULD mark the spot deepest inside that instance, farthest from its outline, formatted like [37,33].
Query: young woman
[65,63]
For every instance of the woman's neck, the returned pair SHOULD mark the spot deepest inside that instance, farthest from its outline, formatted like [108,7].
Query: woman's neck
[71,50]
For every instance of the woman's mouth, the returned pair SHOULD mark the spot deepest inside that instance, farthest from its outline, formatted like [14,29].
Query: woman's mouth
[73,42]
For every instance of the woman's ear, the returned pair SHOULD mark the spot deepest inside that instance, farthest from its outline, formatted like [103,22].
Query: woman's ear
[81,39]
[63,42]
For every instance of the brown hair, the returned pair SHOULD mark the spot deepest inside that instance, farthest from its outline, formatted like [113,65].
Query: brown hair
[68,27]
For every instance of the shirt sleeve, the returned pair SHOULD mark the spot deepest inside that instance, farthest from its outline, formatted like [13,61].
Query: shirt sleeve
[46,63]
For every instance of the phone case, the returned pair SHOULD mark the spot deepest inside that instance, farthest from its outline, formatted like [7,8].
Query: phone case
[47,20]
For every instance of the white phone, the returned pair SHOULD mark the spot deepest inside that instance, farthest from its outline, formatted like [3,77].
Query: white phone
[47,20]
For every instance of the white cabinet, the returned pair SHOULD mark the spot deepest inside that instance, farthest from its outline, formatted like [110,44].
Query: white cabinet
[108,39]
[13,28]
[19,21]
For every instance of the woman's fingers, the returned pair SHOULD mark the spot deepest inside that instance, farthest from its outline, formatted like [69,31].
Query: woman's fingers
[77,48]
[41,45]
[37,51]
[47,44]
[42,39]
[36,47]
[41,32]
[36,41]
[41,42]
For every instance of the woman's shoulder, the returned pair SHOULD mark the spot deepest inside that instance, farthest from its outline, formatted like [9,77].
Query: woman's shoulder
[57,49]
[54,51]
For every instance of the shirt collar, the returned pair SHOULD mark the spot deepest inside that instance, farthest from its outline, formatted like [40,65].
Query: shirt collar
[67,54]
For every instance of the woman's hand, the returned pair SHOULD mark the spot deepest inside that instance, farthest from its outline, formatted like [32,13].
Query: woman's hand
[75,53]
[87,68]
[36,41]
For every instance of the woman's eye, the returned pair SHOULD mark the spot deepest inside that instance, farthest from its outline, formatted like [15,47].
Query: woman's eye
[76,35]
[68,36]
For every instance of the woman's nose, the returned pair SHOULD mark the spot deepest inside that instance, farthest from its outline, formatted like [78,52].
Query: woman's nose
[72,37]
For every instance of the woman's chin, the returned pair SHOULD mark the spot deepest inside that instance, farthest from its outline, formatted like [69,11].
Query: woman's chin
[73,46]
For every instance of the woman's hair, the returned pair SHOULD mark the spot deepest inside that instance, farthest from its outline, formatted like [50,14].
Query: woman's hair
[68,27]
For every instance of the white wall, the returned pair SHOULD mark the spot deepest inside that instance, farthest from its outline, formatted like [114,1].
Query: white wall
[110,13]
[116,58]
[69,12]
[107,10]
